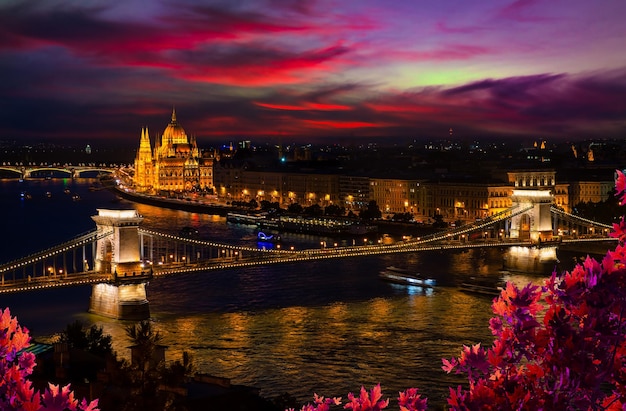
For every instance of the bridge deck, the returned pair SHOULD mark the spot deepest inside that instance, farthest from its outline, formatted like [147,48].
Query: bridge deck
[240,256]
[221,264]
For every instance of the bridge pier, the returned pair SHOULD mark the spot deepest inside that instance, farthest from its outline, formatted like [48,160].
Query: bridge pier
[118,253]
[120,299]
[536,224]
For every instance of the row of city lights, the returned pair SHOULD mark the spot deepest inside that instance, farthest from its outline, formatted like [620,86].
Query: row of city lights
[50,252]
[52,284]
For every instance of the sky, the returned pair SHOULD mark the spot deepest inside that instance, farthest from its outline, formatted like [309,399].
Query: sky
[306,69]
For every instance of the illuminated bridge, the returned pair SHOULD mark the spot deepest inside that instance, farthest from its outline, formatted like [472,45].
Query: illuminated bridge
[118,258]
[44,171]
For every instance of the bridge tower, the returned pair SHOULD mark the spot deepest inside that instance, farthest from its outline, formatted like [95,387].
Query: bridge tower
[118,254]
[536,223]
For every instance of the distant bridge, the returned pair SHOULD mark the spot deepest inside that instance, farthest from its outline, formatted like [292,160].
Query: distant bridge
[44,171]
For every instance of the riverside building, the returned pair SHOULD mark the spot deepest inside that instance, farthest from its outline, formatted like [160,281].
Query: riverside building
[175,164]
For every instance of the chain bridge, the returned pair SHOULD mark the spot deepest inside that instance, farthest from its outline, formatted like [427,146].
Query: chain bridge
[119,257]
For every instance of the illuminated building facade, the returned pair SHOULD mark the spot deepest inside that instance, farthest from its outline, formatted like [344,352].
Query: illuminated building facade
[238,183]
[462,198]
[461,201]
[354,191]
[175,164]
[590,191]
[398,195]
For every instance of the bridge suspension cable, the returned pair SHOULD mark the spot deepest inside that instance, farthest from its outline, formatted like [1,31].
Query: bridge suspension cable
[74,243]
[209,243]
[476,226]
[577,219]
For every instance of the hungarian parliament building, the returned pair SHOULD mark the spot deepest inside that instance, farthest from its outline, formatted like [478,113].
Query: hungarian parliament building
[174,164]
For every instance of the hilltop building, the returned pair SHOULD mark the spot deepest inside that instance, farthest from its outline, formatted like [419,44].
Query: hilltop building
[175,164]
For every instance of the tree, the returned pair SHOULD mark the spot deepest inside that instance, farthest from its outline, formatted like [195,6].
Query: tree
[269,206]
[561,346]
[178,371]
[603,211]
[92,340]
[295,208]
[148,371]
[439,223]
[403,217]
[144,368]
[314,210]
[16,365]
[334,210]
[89,340]
[371,212]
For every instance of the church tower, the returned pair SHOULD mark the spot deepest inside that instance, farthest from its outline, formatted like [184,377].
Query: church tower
[143,162]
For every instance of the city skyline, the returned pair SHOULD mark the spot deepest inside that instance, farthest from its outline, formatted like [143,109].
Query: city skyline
[291,69]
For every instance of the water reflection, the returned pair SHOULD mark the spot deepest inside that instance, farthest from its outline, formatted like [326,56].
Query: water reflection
[322,326]
[534,260]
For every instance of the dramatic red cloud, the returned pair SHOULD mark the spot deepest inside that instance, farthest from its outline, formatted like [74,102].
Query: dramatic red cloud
[264,67]
[408,107]
[329,124]
[304,107]
[310,68]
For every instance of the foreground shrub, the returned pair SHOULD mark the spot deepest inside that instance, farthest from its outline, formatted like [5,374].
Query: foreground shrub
[16,390]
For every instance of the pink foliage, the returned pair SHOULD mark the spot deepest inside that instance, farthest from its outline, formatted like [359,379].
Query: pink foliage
[410,400]
[561,346]
[319,404]
[367,402]
[620,185]
[16,391]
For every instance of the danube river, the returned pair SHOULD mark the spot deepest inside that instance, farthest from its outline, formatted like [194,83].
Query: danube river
[323,327]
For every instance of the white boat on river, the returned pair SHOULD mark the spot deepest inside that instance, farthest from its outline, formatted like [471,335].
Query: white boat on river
[403,276]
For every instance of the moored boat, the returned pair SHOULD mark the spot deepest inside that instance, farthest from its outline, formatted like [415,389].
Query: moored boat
[403,276]
[483,286]
[318,225]
[246,219]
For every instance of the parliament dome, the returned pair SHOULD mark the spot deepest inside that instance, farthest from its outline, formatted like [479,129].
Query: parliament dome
[174,133]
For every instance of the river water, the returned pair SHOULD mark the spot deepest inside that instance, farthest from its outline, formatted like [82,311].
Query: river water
[325,327]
